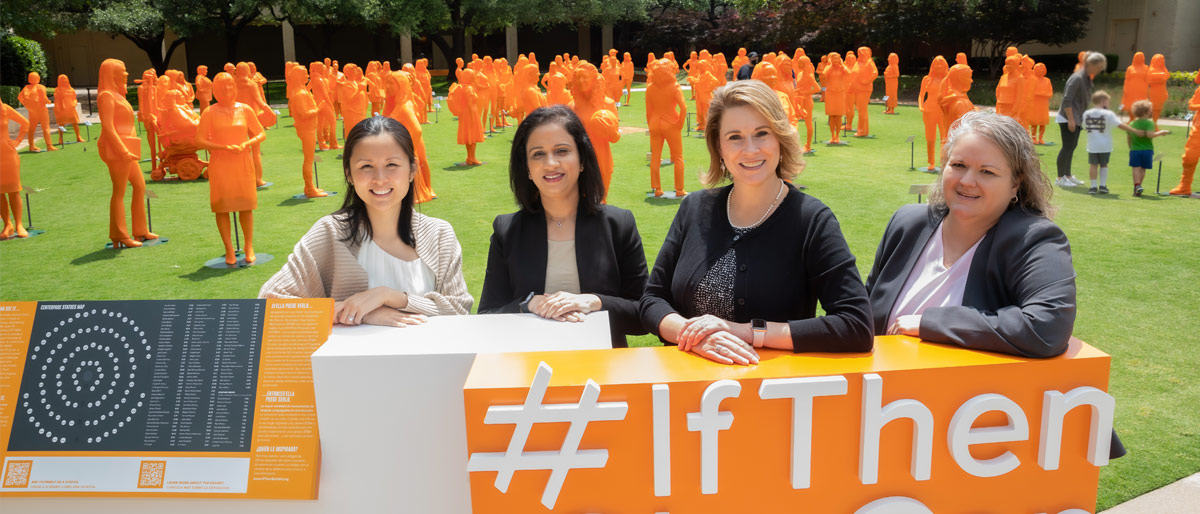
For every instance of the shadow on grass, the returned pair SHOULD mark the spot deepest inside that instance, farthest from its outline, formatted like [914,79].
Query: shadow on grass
[290,202]
[204,273]
[102,254]
[662,202]
[459,167]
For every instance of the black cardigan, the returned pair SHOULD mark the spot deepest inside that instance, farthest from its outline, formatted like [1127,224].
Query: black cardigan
[608,253]
[784,266]
[1020,292]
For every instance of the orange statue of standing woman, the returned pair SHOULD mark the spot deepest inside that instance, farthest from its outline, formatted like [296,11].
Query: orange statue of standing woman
[323,93]
[891,83]
[806,87]
[1156,78]
[203,87]
[148,112]
[33,97]
[1006,89]
[120,148]
[706,82]
[627,76]
[556,86]
[352,94]
[251,94]
[836,78]
[1137,86]
[1191,148]
[529,97]
[1039,107]
[741,60]
[10,173]
[229,130]
[864,85]
[303,108]
[464,103]
[931,110]
[851,63]
[955,103]
[404,111]
[666,113]
[599,115]
[65,105]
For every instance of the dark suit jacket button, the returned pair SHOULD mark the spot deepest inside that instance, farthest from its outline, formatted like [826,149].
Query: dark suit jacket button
[742,268]
[741,301]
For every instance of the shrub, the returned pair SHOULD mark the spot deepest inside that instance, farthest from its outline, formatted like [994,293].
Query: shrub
[19,57]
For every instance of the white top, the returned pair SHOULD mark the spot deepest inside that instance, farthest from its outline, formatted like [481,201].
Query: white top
[931,283]
[562,270]
[384,269]
[1099,124]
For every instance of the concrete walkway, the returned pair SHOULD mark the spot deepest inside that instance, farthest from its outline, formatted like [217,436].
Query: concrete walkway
[1182,497]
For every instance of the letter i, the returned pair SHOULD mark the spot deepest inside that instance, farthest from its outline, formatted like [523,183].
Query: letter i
[662,439]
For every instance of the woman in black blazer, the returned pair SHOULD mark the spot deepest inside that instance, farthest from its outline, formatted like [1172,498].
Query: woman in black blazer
[563,254]
[744,266]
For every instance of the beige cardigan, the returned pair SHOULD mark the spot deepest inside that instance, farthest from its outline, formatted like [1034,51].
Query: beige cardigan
[322,266]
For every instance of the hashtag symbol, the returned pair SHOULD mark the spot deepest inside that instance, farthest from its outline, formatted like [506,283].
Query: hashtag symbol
[533,411]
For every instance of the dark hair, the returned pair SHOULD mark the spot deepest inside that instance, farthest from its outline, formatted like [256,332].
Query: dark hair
[591,185]
[353,214]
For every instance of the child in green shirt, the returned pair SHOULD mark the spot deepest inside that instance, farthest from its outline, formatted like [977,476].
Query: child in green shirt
[1141,149]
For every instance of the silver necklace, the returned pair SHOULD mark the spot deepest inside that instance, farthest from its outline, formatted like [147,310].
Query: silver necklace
[770,208]
[557,223]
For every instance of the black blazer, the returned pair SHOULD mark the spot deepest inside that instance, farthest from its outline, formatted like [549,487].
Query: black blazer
[784,266]
[608,252]
[1020,292]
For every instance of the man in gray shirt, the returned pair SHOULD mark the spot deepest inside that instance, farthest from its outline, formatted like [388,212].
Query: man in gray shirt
[1076,95]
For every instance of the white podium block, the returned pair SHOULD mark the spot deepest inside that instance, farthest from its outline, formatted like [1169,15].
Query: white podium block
[390,405]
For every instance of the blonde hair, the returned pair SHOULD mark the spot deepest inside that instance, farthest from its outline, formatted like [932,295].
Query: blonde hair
[761,98]
[1099,97]
[1033,188]
[1141,108]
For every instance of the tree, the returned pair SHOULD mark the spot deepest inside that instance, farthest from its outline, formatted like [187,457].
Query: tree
[328,16]
[999,24]
[139,21]
[43,17]
[190,17]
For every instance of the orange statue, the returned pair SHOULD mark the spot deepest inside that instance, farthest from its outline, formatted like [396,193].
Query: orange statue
[250,94]
[374,87]
[721,69]
[464,103]
[506,91]
[851,62]
[425,79]
[556,86]
[599,116]
[627,76]
[1039,108]
[529,97]
[203,87]
[486,92]
[706,82]
[666,114]
[303,108]
[931,109]
[229,130]
[692,72]
[1006,89]
[1137,86]
[769,75]
[891,83]
[120,149]
[1191,148]
[1083,55]
[836,78]
[148,108]
[955,104]
[1156,78]
[323,93]
[10,174]
[741,60]
[353,96]
[612,80]
[1024,88]
[65,106]
[404,111]
[863,86]
[806,87]
[33,97]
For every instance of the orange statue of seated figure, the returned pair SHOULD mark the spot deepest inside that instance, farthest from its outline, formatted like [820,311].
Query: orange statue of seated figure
[1137,86]
[404,111]
[303,108]
[33,97]
[666,114]
[955,104]
[203,87]
[931,109]
[1006,89]
[836,79]
[10,174]
[1191,148]
[120,148]
[599,115]
[806,87]
[891,83]
[1156,78]
[1039,107]
[177,134]
[352,94]
[229,130]
[464,103]
[66,105]
[250,94]
[863,86]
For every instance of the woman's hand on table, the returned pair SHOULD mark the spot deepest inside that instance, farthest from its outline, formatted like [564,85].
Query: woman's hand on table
[563,306]
[695,330]
[909,325]
[726,348]
[354,309]
[389,317]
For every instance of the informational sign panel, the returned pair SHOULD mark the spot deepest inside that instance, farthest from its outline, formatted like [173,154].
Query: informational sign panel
[183,398]
[911,428]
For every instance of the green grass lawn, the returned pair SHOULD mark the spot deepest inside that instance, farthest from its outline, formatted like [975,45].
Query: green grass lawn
[1138,259]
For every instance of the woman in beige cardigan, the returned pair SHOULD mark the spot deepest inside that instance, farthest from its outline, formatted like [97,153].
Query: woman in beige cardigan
[382,263]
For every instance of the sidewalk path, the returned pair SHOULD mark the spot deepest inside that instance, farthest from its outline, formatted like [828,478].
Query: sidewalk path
[1182,497]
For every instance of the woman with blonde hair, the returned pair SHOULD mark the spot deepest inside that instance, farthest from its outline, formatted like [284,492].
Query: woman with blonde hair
[744,265]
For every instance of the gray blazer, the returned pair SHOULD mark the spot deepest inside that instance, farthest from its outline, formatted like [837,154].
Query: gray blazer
[1020,292]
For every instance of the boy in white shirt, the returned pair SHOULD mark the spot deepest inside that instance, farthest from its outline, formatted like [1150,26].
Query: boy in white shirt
[1099,122]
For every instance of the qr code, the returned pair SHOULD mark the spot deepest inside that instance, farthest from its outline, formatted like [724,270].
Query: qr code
[151,474]
[16,474]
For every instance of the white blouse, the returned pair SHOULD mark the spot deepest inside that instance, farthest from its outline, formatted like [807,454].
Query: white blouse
[562,270]
[384,269]
[931,283]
